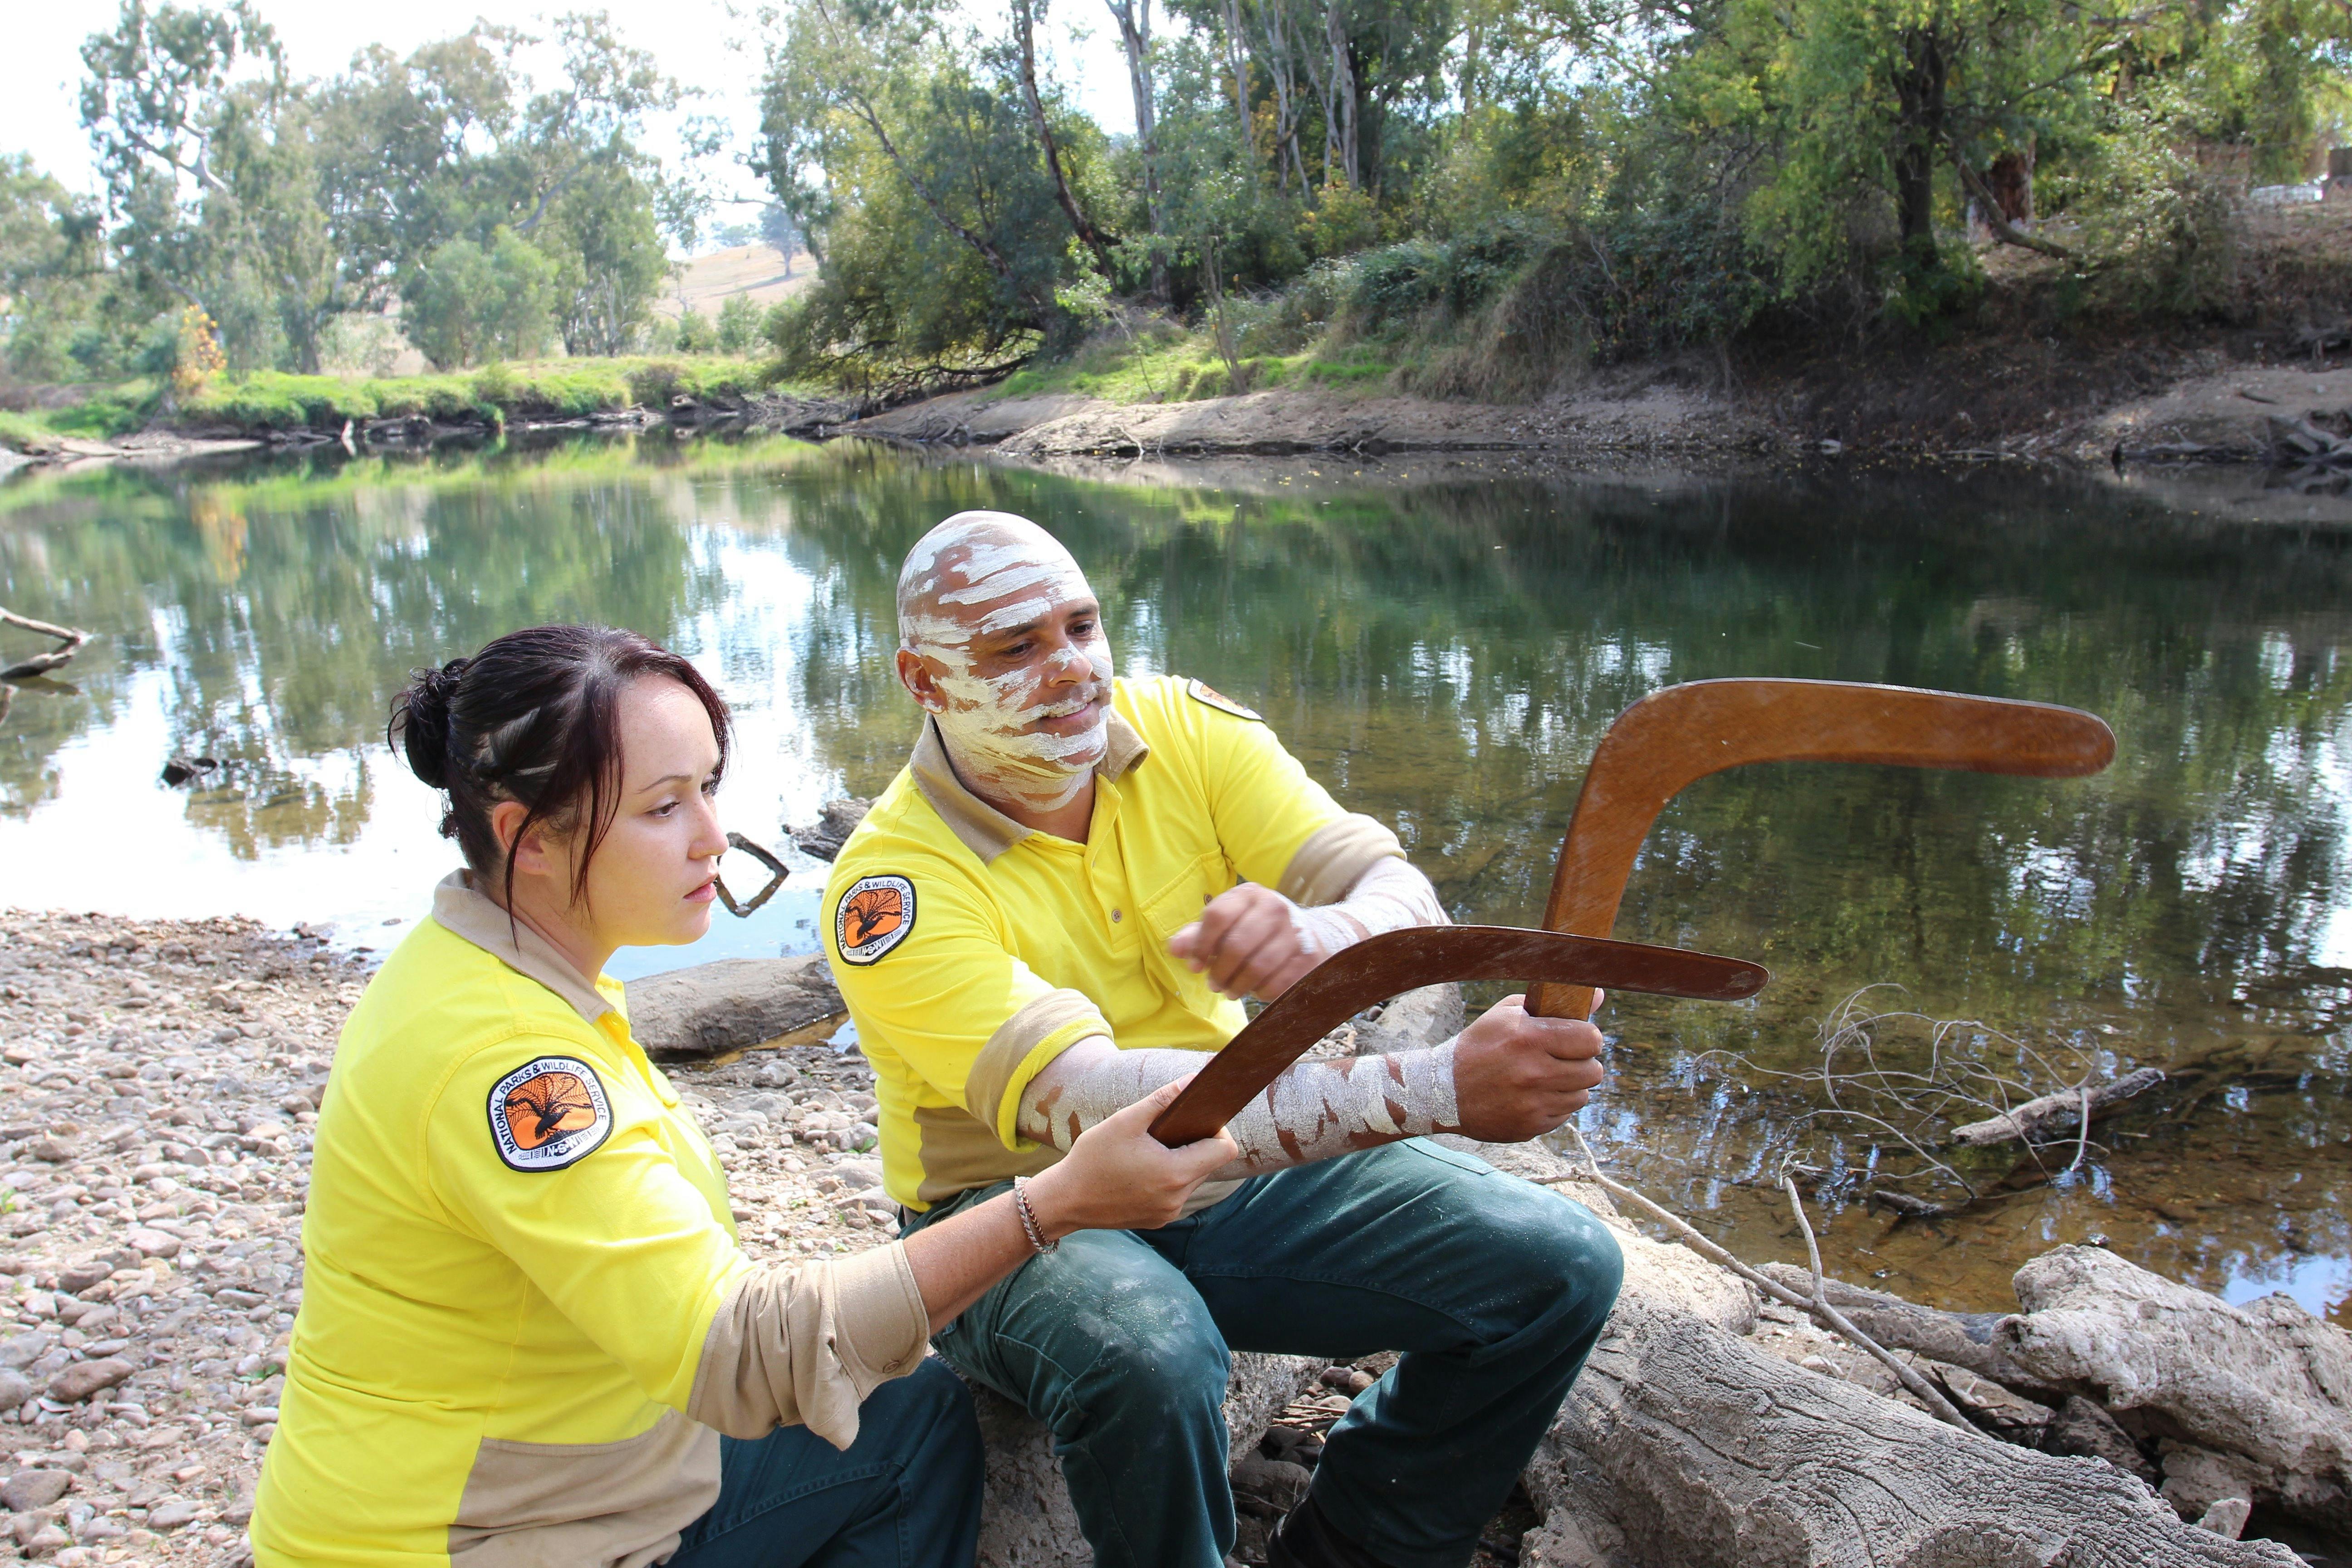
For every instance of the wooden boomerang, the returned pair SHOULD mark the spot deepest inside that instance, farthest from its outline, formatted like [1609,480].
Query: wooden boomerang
[1684,732]
[1388,966]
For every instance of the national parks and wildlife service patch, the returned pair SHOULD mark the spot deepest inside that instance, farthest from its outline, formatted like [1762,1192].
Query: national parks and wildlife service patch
[874,915]
[548,1114]
[1203,692]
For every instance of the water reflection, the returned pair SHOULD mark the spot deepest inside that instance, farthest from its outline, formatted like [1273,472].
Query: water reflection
[1443,649]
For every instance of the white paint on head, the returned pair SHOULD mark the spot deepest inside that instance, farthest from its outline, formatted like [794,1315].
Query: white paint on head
[979,574]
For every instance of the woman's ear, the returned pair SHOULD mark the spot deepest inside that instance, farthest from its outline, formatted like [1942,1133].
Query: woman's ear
[526,851]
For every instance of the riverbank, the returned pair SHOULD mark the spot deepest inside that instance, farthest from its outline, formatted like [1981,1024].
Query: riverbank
[2201,407]
[131,421]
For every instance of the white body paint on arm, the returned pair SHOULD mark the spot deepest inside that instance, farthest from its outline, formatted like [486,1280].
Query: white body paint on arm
[1391,896]
[1313,1111]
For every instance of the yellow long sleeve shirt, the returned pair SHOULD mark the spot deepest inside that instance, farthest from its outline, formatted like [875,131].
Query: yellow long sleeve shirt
[525,1318]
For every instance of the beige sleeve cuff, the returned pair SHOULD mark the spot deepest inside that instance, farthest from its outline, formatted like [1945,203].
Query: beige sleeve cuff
[803,1345]
[1068,1014]
[1333,856]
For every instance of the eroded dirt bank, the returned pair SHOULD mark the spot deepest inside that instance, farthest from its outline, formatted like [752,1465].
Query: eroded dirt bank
[2199,407]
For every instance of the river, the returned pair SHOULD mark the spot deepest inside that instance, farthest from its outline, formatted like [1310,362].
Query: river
[1442,642]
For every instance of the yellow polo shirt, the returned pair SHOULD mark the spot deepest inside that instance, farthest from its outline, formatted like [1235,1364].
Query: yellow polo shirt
[972,950]
[525,1319]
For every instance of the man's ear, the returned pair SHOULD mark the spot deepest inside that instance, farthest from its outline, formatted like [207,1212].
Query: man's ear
[916,675]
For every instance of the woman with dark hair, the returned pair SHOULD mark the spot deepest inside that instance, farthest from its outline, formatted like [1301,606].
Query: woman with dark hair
[528,1335]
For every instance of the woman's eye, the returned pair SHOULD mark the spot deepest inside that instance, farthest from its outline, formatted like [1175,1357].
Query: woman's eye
[667,808]
[710,787]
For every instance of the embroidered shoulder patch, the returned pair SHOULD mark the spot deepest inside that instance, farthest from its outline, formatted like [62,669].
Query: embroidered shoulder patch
[549,1113]
[874,915]
[1203,692]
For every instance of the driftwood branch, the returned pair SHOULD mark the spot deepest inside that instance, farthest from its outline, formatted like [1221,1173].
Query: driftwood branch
[2054,1113]
[1817,1304]
[1989,207]
[40,663]
[777,867]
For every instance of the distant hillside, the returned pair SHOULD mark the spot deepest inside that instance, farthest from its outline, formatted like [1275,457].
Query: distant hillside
[760,271]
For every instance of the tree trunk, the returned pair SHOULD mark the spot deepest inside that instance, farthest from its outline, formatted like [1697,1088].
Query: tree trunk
[2254,1401]
[1919,91]
[1340,126]
[1134,19]
[1024,34]
[1684,1445]
[1237,64]
[1274,21]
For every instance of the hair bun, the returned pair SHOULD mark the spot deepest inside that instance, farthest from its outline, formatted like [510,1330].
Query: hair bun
[420,720]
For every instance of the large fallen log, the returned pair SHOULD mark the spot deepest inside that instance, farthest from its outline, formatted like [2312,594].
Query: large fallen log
[2056,1115]
[1956,1339]
[1685,1445]
[2251,1401]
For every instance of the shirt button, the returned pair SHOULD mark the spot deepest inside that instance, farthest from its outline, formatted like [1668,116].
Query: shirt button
[1115,917]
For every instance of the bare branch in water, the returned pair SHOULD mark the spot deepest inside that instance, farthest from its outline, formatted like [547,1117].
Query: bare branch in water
[1977,1086]
[40,663]
[1827,1316]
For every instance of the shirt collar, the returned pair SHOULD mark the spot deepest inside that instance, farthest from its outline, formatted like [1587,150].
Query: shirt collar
[984,830]
[467,911]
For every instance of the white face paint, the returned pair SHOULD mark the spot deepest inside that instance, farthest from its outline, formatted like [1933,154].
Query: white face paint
[974,578]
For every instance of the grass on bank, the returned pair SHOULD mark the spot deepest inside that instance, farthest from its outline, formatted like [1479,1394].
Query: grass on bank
[1175,366]
[494,395]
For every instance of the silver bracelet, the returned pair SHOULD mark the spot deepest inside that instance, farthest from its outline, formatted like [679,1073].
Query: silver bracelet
[1029,1216]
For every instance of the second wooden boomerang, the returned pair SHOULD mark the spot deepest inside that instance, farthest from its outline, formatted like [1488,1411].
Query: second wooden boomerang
[1381,967]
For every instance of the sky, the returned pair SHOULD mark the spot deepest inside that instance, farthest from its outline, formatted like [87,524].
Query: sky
[697,41]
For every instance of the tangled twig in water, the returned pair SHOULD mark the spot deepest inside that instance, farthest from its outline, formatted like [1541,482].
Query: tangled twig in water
[1972,1071]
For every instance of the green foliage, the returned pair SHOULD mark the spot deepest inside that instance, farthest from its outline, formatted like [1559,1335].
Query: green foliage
[50,271]
[282,206]
[470,302]
[945,250]
[493,396]
[2161,232]
[696,332]
[739,325]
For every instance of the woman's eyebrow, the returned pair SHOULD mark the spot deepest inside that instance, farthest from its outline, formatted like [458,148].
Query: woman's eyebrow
[664,779]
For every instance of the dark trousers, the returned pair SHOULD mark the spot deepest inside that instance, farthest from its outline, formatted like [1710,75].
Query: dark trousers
[1118,1341]
[904,1495]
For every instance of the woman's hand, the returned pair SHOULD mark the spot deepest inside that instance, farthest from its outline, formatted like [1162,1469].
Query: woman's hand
[1118,1176]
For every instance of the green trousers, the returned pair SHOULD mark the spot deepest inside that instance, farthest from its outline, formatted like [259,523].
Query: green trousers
[1119,1341]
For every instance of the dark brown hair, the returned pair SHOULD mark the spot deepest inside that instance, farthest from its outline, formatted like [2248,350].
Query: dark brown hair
[532,719]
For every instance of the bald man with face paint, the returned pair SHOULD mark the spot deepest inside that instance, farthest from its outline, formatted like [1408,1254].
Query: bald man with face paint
[1055,910]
